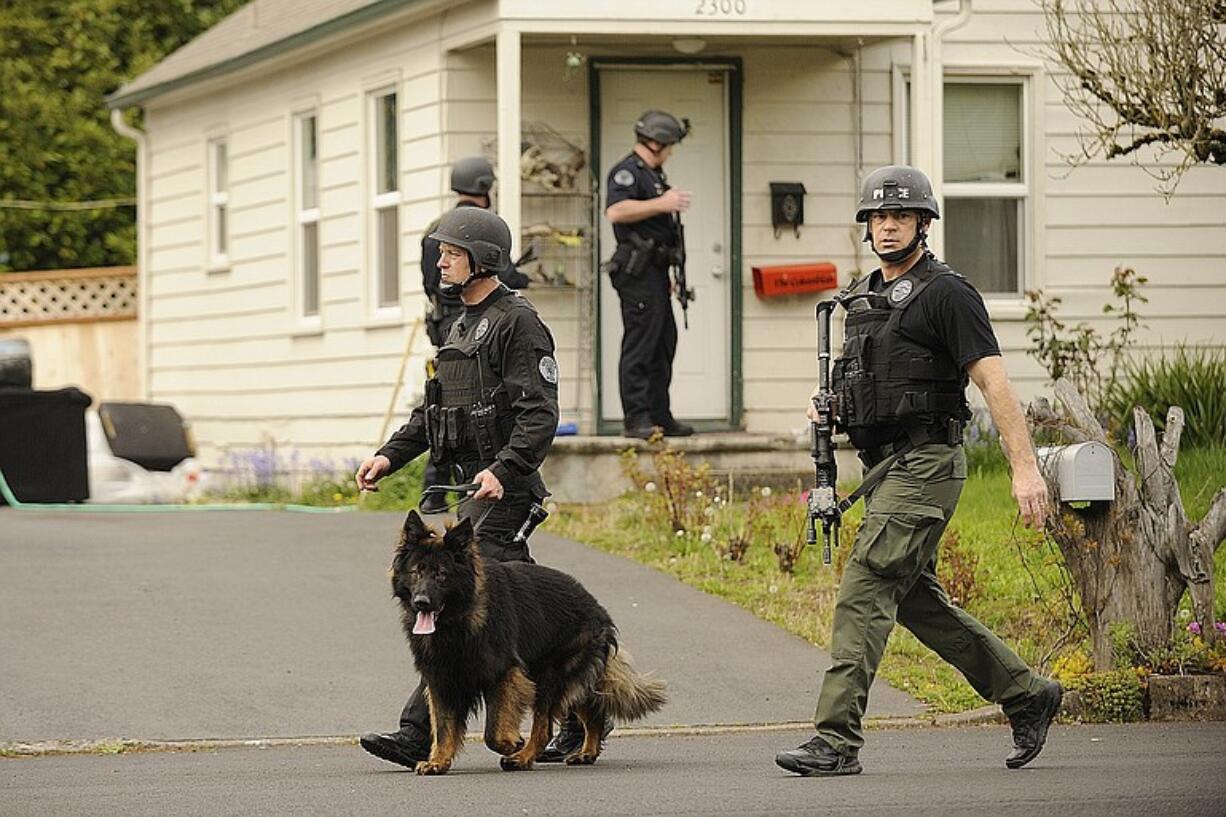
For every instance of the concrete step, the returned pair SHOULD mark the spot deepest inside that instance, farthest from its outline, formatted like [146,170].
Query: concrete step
[591,469]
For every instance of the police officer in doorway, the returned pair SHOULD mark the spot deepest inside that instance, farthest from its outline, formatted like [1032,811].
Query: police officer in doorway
[472,179]
[643,210]
[488,417]
[915,333]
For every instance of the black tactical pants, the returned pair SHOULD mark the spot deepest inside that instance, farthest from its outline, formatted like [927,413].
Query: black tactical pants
[496,524]
[649,344]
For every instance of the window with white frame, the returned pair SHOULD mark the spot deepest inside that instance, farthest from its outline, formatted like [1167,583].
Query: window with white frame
[986,186]
[306,150]
[385,203]
[219,202]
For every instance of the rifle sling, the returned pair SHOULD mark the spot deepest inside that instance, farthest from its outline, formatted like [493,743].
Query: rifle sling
[915,439]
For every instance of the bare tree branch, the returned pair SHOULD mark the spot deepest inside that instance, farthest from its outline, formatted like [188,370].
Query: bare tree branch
[1079,411]
[1146,77]
[1211,531]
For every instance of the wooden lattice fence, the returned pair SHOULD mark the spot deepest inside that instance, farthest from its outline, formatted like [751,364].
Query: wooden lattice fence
[81,326]
[34,298]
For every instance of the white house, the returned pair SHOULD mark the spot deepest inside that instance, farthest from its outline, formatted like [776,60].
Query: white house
[293,154]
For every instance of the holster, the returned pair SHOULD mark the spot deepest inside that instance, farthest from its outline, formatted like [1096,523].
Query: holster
[632,257]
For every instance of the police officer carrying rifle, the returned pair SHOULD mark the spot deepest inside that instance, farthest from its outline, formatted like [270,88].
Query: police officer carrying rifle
[472,180]
[644,212]
[915,332]
[488,418]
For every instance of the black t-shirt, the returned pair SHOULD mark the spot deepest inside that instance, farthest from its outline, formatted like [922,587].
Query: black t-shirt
[949,314]
[633,179]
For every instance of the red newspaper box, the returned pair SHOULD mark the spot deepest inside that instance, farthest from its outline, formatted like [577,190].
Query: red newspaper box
[794,279]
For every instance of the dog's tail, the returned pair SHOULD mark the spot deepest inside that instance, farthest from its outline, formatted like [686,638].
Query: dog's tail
[626,694]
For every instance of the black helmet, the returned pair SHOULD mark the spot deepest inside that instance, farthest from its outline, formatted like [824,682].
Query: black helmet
[483,234]
[473,175]
[896,187]
[661,127]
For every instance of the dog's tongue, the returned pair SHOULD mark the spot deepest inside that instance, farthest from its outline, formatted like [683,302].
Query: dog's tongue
[424,624]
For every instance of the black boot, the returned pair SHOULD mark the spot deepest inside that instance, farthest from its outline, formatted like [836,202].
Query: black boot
[673,428]
[396,747]
[817,758]
[1030,724]
[569,740]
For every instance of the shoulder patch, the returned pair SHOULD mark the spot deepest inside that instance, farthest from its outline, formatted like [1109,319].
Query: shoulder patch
[549,369]
[900,291]
[482,328]
[623,177]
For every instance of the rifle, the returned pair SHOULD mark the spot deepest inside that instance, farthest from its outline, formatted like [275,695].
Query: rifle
[685,293]
[823,502]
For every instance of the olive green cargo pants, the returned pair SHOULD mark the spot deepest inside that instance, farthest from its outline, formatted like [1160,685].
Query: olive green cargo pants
[891,575]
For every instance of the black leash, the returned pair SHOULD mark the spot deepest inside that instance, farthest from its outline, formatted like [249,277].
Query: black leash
[536,514]
[464,490]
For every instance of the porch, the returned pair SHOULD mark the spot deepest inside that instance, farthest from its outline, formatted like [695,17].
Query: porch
[591,468]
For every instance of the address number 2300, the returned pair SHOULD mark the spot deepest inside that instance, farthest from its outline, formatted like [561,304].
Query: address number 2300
[720,8]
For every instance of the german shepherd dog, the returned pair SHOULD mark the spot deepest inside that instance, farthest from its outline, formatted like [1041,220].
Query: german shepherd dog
[513,635]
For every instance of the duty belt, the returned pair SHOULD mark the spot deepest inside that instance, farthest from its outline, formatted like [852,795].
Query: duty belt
[879,459]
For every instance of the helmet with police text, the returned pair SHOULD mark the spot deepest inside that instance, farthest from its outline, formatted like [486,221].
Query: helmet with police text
[473,175]
[482,233]
[662,127]
[897,187]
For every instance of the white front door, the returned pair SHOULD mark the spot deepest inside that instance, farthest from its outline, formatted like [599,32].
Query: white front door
[701,388]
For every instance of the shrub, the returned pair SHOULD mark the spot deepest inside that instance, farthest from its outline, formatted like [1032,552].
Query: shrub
[677,490]
[1192,378]
[1071,667]
[1110,697]
[1189,652]
[958,569]
[1093,362]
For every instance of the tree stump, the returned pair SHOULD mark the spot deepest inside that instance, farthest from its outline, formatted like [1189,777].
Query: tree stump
[1132,559]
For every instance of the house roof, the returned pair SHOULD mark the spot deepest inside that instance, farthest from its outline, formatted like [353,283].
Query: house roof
[258,31]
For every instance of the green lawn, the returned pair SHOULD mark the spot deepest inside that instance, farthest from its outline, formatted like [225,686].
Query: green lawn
[1014,575]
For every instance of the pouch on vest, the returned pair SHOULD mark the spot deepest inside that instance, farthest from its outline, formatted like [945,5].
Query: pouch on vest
[853,384]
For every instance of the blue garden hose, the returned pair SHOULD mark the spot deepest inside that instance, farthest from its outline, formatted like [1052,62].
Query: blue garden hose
[17,504]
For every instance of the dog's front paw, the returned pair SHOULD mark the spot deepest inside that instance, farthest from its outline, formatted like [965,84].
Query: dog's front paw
[580,759]
[515,763]
[427,767]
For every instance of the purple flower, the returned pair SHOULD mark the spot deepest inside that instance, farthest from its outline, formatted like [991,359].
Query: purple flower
[1220,626]
[1194,627]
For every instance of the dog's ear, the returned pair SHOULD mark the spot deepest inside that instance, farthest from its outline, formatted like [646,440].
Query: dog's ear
[415,529]
[459,535]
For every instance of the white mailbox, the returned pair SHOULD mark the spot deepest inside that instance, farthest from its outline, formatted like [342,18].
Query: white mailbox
[1084,472]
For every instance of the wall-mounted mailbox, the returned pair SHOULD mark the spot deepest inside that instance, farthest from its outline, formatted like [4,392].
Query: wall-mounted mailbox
[794,279]
[1084,472]
[787,206]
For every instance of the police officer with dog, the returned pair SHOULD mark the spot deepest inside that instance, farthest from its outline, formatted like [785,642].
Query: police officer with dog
[915,333]
[488,418]
[644,211]
[472,180]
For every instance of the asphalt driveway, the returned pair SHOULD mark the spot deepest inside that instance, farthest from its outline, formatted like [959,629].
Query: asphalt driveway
[266,624]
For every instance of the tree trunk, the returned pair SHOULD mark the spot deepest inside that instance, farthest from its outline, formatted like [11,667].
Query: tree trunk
[1131,559]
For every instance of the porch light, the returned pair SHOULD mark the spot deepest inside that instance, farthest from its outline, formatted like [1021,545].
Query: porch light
[689,45]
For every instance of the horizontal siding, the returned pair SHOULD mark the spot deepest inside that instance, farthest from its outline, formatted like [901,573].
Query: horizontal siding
[800,125]
[227,348]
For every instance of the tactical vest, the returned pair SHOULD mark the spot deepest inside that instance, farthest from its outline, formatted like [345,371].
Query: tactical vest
[468,411]
[887,385]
